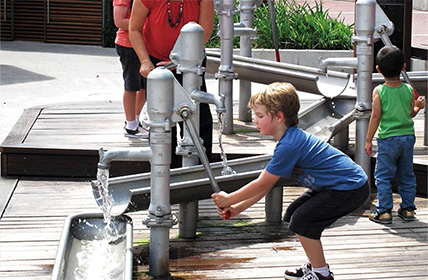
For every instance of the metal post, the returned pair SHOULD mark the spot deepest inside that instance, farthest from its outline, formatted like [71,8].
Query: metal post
[341,139]
[226,74]
[160,104]
[365,23]
[246,8]
[190,57]
[273,205]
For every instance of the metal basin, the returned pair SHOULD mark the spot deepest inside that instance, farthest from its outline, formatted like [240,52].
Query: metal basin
[85,252]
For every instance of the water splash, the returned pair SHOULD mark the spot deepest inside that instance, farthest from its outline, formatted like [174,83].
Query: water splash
[111,231]
[227,170]
[96,259]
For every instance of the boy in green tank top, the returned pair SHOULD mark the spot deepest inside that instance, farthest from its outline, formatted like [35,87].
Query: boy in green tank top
[393,107]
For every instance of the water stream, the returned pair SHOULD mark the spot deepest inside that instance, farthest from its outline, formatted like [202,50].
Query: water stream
[107,204]
[227,170]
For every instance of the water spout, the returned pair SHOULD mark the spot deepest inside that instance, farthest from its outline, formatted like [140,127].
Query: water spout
[129,154]
[338,62]
[205,97]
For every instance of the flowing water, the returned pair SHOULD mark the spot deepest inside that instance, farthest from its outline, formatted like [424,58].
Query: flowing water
[227,170]
[96,259]
[101,256]
[106,204]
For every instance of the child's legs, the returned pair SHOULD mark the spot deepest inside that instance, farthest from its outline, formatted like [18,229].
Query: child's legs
[140,100]
[314,211]
[133,81]
[314,251]
[405,176]
[385,172]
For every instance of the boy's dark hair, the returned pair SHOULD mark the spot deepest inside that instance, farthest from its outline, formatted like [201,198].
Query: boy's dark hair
[390,61]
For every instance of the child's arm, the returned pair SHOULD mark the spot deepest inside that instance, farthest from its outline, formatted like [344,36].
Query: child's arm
[417,105]
[374,121]
[247,195]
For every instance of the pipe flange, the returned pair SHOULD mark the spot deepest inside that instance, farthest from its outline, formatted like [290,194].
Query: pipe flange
[226,75]
[198,70]
[160,221]
[361,114]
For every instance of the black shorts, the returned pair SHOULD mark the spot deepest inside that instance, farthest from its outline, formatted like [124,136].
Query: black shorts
[314,211]
[133,81]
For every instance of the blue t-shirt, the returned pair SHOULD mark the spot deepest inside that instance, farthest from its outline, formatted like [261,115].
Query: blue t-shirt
[314,163]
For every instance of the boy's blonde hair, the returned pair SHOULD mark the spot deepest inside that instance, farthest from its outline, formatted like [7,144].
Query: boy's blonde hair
[279,97]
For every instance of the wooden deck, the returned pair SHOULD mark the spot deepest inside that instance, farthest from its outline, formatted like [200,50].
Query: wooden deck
[63,140]
[241,248]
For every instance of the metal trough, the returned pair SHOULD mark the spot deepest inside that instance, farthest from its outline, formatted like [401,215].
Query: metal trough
[132,193]
[304,78]
[326,117]
[84,252]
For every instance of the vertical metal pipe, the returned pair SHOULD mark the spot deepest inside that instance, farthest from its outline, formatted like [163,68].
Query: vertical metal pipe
[225,72]
[341,139]
[160,104]
[365,23]
[246,8]
[273,205]
[191,57]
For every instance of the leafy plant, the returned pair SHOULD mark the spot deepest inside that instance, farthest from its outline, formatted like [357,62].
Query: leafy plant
[298,27]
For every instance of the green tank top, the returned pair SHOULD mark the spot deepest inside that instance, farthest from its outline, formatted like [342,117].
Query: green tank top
[396,110]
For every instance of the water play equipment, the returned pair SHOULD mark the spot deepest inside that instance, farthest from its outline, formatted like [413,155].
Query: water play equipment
[168,102]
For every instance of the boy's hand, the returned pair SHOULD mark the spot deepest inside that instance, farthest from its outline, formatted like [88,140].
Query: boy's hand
[368,147]
[420,102]
[227,213]
[221,199]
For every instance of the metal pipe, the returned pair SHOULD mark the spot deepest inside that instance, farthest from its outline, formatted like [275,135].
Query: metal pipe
[338,62]
[365,23]
[246,19]
[129,154]
[273,205]
[160,105]
[226,74]
[189,55]
[204,97]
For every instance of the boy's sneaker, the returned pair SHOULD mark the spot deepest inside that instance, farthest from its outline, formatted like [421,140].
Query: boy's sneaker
[381,218]
[407,214]
[316,276]
[299,272]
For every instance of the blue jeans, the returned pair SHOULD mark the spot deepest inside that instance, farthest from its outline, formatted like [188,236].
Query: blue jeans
[395,158]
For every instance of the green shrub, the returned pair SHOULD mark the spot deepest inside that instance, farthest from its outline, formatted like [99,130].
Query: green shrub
[298,27]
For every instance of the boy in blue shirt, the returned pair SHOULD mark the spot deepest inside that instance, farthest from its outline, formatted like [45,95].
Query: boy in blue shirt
[393,108]
[336,185]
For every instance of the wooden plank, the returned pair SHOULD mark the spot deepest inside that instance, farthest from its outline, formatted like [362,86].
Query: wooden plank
[20,130]
[7,188]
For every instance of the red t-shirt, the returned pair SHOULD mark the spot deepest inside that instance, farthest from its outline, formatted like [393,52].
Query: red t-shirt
[122,36]
[159,36]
